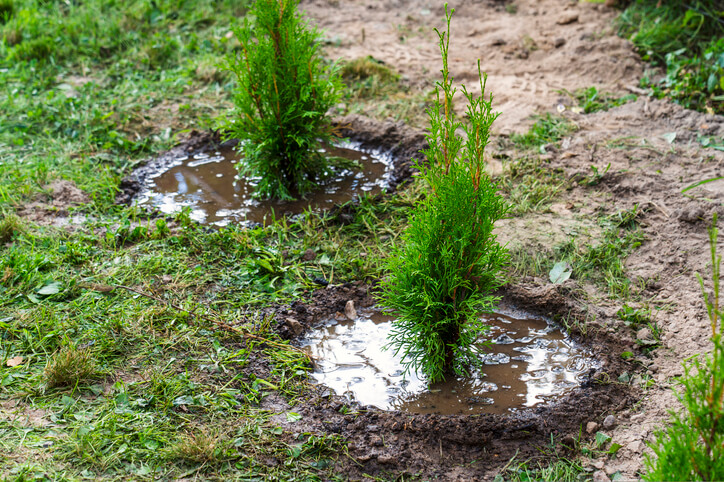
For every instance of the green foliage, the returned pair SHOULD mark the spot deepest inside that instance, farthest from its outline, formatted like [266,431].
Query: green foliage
[442,275]
[548,129]
[695,82]
[367,77]
[686,38]
[283,94]
[591,100]
[692,447]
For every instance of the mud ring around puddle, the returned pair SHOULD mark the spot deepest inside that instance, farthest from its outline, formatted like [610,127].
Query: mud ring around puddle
[393,139]
[443,447]
[460,447]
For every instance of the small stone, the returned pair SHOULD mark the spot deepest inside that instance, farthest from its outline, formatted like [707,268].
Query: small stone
[349,310]
[385,459]
[376,441]
[559,42]
[636,447]
[567,17]
[309,255]
[569,442]
[498,42]
[372,428]
[591,427]
[609,422]
[644,334]
[599,464]
[296,327]
[600,476]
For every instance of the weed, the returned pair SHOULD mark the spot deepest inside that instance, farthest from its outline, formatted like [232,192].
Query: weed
[198,447]
[634,317]
[690,448]
[10,226]
[548,129]
[686,38]
[591,100]
[70,366]
[282,98]
[442,275]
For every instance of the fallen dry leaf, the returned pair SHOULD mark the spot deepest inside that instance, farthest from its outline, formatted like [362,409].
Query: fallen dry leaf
[14,361]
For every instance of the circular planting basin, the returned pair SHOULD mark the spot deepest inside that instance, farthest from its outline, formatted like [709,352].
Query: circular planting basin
[207,183]
[526,361]
[563,381]
[200,175]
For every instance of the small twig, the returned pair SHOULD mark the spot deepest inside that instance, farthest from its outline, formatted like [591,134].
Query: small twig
[219,323]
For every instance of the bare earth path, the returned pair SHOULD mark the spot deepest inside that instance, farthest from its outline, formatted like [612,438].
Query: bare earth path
[531,55]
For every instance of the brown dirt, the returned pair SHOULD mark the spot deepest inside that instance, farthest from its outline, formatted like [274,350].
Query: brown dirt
[531,55]
[52,208]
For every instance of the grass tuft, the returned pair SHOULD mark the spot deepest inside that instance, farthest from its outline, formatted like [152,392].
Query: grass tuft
[198,447]
[70,366]
[10,226]
[548,129]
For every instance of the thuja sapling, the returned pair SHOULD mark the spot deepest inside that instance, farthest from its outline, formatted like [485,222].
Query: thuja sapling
[283,94]
[443,274]
[692,446]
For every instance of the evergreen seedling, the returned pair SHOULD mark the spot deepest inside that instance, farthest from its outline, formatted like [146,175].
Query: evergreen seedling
[692,447]
[444,273]
[283,94]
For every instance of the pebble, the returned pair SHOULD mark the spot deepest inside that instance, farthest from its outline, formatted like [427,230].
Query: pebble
[591,427]
[609,422]
[600,476]
[385,459]
[349,310]
[599,464]
[296,327]
[568,17]
[559,42]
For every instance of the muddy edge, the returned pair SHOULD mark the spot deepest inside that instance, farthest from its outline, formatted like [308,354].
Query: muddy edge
[401,142]
[434,445]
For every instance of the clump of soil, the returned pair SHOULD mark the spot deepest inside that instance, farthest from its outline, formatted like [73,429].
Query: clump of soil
[51,209]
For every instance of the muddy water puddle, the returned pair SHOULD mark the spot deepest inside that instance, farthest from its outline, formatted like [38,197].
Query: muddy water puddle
[207,184]
[529,362]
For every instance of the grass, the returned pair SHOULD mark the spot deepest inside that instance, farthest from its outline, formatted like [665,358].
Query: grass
[530,184]
[601,262]
[148,381]
[547,129]
[590,100]
[686,39]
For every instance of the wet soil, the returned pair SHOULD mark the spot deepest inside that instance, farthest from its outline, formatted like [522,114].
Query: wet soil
[458,447]
[199,172]
[527,361]
[208,184]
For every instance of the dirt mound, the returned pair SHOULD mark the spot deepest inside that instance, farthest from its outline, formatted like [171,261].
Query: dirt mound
[51,209]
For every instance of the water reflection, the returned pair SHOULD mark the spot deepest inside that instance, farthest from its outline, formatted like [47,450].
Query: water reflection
[529,362]
[207,184]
